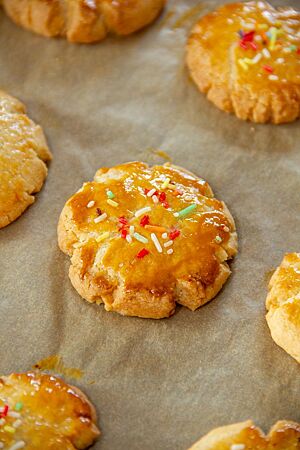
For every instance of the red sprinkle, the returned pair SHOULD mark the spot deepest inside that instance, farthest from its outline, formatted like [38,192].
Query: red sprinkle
[124,233]
[144,221]
[174,234]
[99,212]
[248,37]
[253,45]
[243,45]
[268,69]
[123,220]
[162,197]
[298,51]
[166,205]
[146,191]
[142,253]
[5,411]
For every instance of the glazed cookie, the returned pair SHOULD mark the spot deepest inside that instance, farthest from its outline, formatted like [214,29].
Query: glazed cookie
[40,411]
[83,21]
[246,58]
[141,238]
[283,305]
[284,435]
[23,152]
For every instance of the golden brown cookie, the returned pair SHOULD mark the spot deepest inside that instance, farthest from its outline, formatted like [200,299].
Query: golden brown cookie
[23,152]
[143,238]
[283,305]
[83,21]
[42,412]
[246,58]
[284,435]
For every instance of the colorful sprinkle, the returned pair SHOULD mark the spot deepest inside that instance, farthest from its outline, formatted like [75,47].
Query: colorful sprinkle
[168,244]
[102,236]
[164,235]
[266,53]
[293,48]
[128,238]
[123,221]
[156,242]
[17,423]
[124,233]
[144,221]
[273,77]
[155,228]
[218,239]
[110,194]
[151,192]
[140,238]
[170,251]
[112,203]
[155,199]
[268,69]
[142,253]
[4,411]
[17,446]
[9,429]
[14,414]
[174,234]
[165,183]
[184,212]
[100,218]
[90,204]
[242,63]
[142,211]
[131,230]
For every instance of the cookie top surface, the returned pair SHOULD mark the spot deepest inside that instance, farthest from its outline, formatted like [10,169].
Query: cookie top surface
[147,228]
[42,411]
[284,435]
[23,150]
[251,47]
[283,305]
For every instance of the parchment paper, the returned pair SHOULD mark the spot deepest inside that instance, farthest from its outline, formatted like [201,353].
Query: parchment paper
[157,385]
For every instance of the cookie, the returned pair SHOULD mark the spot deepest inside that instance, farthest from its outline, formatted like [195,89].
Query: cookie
[246,58]
[284,435]
[83,21]
[283,305]
[40,411]
[23,153]
[143,238]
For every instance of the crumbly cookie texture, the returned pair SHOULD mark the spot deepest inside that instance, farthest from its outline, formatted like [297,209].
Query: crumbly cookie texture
[40,411]
[246,58]
[23,153]
[143,238]
[284,435]
[84,21]
[283,305]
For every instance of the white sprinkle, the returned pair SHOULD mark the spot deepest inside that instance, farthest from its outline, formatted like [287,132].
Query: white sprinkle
[287,50]
[151,192]
[164,235]
[248,26]
[1,445]
[100,218]
[257,58]
[142,211]
[266,53]
[90,204]
[280,60]
[258,38]
[131,230]
[170,251]
[156,242]
[14,414]
[139,237]
[238,447]
[168,244]
[273,77]
[155,199]
[128,238]
[17,423]
[112,203]
[17,445]
[226,229]
[230,21]
[2,422]
[176,214]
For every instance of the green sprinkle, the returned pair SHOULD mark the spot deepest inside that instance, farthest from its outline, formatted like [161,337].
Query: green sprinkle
[140,238]
[110,194]
[18,406]
[184,212]
[9,429]
[293,48]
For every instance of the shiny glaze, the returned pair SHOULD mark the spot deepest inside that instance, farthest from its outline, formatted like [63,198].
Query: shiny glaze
[53,415]
[194,249]
[218,33]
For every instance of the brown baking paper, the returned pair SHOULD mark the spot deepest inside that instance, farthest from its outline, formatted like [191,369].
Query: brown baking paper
[157,385]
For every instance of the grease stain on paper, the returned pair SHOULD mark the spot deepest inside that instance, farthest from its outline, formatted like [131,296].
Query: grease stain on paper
[268,275]
[188,15]
[55,363]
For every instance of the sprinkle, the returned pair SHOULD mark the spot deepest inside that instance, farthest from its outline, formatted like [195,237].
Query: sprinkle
[156,242]
[131,230]
[176,193]
[165,183]
[123,221]
[14,414]
[140,238]
[273,77]
[273,38]
[90,204]
[2,422]
[99,212]
[256,58]
[262,26]
[17,423]
[226,229]
[266,53]
[168,244]
[184,212]
[162,197]
[155,228]
[18,406]
[102,236]
[112,203]
[280,60]
[100,218]
[9,429]
[142,211]
[145,220]
[17,445]
[237,447]
[1,445]
[171,186]
[242,64]
[218,239]
[128,238]
[298,51]
[4,411]
[110,194]
[268,68]
[151,192]
[258,38]
[170,251]
[155,199]
[142,253]
[124,233]
[174,234]
[164,235]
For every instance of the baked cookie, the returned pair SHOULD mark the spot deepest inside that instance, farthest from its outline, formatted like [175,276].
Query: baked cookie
[283,305]
[83,21]
[246,58]
[284,435]
[141,238]
[39,411]
[23,152]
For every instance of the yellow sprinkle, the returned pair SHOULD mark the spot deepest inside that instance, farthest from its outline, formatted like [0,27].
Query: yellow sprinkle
[273,32]
[165,183]
[112,203]
[262,26]
[171,186]
[102,236]
[243,64]
[9,429]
